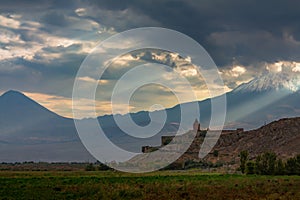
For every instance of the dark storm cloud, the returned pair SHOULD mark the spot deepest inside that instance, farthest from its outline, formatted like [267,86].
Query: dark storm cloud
[245,31]
[41,77]
[55,18]
[253,30]
[27,5]
[21,5]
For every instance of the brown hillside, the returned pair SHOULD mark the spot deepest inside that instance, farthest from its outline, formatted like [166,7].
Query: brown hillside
[281,137]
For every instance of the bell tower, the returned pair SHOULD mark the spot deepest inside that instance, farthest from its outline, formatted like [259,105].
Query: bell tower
[196,125]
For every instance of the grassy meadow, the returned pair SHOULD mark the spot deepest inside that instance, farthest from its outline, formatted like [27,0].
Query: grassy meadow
[156,185]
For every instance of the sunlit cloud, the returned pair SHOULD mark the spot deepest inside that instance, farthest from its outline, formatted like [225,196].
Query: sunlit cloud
[9,22]
[238,70]
[7,36]
[296,68]
[290,67]
[81,12]
[49,42]
[58,104]
[92,80]
[188,71]
[274,67]
[86,108]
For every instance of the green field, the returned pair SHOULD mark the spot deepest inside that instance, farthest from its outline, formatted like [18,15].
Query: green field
[158,185]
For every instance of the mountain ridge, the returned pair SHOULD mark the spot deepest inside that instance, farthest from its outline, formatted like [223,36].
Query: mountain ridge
[271,81]
[30,131]
[29,125]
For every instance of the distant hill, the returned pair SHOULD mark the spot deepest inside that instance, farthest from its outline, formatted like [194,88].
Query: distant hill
[262,100]
[30,132]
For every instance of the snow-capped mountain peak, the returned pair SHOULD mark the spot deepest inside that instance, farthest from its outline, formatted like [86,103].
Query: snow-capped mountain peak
[272,81]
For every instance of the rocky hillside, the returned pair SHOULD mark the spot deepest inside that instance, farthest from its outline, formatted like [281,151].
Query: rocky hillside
[281,137]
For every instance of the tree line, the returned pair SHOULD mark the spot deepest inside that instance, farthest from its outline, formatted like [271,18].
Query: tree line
[269,164]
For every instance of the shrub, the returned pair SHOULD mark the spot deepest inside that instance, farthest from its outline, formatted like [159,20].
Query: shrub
[243,159]
[90,167]
[250,167]
[280,167]
[265,163]
[103,167]
[216,153]
[291,166]
[268,164]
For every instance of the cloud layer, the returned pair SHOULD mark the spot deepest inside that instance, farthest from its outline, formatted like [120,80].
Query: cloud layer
[42,43]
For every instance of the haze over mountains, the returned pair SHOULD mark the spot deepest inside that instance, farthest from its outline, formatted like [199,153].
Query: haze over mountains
[264,99]
[29,131]
[32,132]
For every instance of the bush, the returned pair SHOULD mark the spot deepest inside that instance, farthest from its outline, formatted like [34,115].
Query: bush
[216,153]
[243,159]
[103,167]
[268,164]
[293,166]
[90,167]
[280,167]
[250,167]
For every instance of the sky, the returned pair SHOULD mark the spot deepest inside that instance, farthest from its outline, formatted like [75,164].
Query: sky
[43,43]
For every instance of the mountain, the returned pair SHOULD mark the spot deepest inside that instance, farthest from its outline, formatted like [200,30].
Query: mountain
[264,99]
[22,117]
[31,132]
[271,81]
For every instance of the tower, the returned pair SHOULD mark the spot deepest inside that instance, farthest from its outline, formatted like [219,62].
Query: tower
[196,125]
